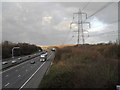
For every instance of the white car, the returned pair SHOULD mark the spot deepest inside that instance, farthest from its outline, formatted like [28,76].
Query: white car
[13,61]
[53,49]
[19,58]
[45,54]
[3,63]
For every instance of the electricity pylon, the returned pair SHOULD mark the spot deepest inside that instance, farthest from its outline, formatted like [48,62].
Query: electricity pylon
[80,22]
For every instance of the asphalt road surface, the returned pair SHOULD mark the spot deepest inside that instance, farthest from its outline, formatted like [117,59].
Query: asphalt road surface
[23,58]
[26,75]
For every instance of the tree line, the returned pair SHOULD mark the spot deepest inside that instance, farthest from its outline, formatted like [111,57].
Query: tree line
[25,49]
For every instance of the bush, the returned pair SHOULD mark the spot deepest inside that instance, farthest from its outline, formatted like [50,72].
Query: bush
[25,49]
[76,67]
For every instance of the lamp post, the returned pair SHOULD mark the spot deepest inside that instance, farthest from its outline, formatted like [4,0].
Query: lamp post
[13,51]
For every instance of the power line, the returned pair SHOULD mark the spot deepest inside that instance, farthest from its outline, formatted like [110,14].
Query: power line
[110,32]
[100,9]
[85,6]
[80,24]
[89,16]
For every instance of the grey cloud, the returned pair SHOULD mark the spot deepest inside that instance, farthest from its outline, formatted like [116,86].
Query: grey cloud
[22,22]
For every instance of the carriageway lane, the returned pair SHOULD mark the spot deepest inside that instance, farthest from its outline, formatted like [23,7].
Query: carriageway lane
[15,77]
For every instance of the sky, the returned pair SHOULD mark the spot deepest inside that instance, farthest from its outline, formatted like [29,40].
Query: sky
[48,23]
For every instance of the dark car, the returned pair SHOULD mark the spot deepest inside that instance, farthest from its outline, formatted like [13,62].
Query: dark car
[32,62]
[29,56]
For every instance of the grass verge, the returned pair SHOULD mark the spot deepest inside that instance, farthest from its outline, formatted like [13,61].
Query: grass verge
[78,67]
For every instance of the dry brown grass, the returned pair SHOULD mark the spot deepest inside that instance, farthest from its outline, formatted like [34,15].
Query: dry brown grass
[57,46]
[76,67]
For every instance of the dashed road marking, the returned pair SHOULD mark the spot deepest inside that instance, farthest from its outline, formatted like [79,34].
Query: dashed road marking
[31,76]
[7,84]
[19,75]
[15,66]
[6,75]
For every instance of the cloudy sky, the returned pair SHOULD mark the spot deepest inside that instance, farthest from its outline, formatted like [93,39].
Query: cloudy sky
[48,23]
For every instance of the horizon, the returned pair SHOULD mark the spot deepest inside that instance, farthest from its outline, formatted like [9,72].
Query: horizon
[36,23]
[65,44]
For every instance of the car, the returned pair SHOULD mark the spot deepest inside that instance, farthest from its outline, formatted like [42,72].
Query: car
[53,49]
[44,51]
[32,62]
[39,50]
[19,58]
[43,58]
[3,63]
[29,56]
[45,54]
[14,61]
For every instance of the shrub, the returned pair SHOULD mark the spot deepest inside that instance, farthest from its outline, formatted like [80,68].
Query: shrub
[78,67]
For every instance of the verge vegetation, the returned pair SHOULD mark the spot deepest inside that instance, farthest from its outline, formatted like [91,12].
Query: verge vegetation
[25,49]
[88,66]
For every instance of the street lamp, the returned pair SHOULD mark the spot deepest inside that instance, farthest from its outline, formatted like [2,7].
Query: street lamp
[13,51]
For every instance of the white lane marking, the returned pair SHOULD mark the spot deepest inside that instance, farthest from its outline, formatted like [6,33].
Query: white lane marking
[19,75]
[49,56]
[7,84]
[6,75]
[16,66]
[31,76]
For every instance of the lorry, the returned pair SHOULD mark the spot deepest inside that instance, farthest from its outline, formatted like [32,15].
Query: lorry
[43,57]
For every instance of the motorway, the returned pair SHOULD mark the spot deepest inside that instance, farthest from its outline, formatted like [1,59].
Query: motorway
[23,58]
[25,74]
